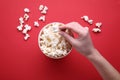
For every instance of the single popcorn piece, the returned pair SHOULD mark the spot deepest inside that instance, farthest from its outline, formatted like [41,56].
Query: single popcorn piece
[85,18]
[45,8]
[36,24]
[52,43]
[55,28]
[20,27]
[24,31]
[42,18]
[96,30]
[48,50]
[26,10]
[90,21]
[43,12]
[59,52]
[43,47]
[27,27]
[26,17]
[26,36]
[41,7]
[98,24]
[21,21]
[64,52]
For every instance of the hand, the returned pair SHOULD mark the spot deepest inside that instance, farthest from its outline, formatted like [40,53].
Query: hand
[83,42]
[84,45]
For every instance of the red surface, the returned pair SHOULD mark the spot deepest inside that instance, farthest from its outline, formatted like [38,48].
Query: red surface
[23,60]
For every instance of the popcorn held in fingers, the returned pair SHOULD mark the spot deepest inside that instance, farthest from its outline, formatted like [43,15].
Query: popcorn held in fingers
[26,10]
[20,27]
[26,36]
[85,18]
[90,22]
[36,24]
[98,24]
[55,28]
[26,17]
[42,18]
[96,30]
[41,7]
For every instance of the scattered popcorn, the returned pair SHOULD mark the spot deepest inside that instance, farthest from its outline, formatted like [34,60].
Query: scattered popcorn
[26,10]
[90,21]
[45,8]
[41,7]
[42,18]
[20,27]
[27,27]
[24,31]
[36,24]
[26,36]
[85,18]
[52,43]
[43,12]
[99,24]
[96,30]
[26,17]
[21,21]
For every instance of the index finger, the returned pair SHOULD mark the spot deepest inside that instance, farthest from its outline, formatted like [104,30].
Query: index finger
[74,26]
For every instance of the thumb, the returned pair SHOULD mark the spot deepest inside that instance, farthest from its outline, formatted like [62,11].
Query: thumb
[69,38]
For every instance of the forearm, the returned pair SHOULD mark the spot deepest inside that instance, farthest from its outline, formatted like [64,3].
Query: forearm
[106,70]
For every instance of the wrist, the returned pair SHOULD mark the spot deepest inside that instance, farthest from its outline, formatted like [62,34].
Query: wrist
[94,54]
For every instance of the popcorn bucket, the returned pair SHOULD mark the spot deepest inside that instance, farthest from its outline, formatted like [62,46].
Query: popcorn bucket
[51,43]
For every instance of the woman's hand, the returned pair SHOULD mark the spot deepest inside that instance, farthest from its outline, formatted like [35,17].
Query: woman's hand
[83,42]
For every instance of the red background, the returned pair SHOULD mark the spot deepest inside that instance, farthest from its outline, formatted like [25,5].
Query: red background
[23,60]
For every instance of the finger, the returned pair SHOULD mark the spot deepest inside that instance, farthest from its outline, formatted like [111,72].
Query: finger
[86,28]
[67,37]
[86,31]
[74,26]
[62,28]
